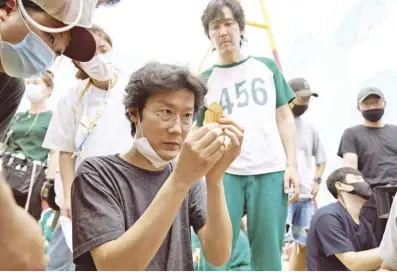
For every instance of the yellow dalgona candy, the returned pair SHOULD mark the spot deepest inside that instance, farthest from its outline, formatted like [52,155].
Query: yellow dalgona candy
[213,114]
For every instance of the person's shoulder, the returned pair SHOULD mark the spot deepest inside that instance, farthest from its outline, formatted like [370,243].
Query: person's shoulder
[332,210]
[391,127]
[354,130]
[305,121]
[269,63]
[96,164]
[76,88]
[48,113]
[205,75]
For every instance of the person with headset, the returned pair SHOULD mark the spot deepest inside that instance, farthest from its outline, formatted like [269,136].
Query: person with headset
[30,39]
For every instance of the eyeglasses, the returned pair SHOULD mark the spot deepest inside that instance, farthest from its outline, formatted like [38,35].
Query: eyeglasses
[167,119]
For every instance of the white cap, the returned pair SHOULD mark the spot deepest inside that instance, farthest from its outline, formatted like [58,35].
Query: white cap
[67,11]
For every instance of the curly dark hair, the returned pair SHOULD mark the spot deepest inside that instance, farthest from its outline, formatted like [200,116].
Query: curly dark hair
[340,175]
[214,11]
[159,77]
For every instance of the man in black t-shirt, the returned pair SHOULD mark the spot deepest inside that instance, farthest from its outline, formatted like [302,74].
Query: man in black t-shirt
[339,238]
[134,211]
[372,149]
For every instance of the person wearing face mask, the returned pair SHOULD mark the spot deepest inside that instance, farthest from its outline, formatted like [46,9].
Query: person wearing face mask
[308,145]
[24,140]
[27,51]
[339,238]
[372,149]
[34,47]
[88,121]
[142,203]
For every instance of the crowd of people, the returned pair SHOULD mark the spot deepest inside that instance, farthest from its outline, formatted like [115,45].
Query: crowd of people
[126,174]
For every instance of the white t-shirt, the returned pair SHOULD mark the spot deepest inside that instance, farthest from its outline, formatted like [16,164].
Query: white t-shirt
[112,133]
[308,145]
[250,91]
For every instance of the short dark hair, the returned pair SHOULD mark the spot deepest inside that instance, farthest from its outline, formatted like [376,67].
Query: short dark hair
[159,77]
[340,175]
[214,10]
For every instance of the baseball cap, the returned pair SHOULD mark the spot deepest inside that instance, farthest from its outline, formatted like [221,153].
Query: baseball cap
[301,87]
[67,11]
[367,91]
[82,46]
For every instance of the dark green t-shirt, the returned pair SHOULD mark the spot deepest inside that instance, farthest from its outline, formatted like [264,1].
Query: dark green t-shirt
[27,135]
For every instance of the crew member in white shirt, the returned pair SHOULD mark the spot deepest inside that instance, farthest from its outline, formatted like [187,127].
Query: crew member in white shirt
[89,121]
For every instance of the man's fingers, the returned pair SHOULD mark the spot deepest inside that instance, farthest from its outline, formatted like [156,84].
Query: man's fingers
[233,137]
[199,133]
[228,121]
[209,137]
[217,154]
[286,184]
[234,129]
[214,146]
[293,198]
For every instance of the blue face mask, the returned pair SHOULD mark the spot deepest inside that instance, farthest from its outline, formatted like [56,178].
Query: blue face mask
[29,58]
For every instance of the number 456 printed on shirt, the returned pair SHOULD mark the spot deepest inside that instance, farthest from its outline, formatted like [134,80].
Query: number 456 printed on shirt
[245,92]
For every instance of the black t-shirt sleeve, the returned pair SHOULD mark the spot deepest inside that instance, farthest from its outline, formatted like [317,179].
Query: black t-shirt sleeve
[332,237]
[347,143]
[198,205]
[11,93]
[97,215]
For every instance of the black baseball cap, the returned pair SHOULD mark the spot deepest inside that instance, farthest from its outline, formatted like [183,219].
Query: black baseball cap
[301,87]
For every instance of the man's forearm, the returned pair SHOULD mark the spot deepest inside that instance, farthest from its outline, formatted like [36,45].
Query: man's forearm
[136,248]
[67,170]
[287,130]
[217,244]
[319,170]
[368,260]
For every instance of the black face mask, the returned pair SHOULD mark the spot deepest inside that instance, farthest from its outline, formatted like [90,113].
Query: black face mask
[361,189]
[298,110]
[373,115]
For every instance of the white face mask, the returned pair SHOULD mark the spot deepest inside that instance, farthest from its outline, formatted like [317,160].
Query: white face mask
[100,67]
[34,92]
[143,146]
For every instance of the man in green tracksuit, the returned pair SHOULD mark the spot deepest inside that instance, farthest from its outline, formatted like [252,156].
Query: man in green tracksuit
[254,93]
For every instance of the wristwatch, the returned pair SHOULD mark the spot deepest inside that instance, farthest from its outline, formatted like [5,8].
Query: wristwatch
[317,179]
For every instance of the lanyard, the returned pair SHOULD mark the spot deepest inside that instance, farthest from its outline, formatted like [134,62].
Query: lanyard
[98,113]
